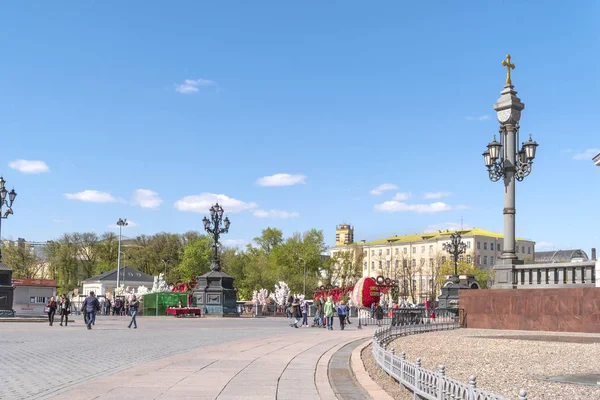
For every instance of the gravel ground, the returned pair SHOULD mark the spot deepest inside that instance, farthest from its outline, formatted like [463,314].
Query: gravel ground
[502,366]
[381,378]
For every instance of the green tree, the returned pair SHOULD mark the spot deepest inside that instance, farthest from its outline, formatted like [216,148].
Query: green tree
[483,276]
[197,254]
[345,268]
[22,260]
[62,255]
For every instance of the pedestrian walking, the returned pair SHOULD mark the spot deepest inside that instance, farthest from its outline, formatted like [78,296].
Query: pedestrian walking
[65,310]
[90,306]
[342,312]
[296,312]
[328,309]
[304,310]
[318,320]
[134,305]
[51,310]
[378,314]
[288,306]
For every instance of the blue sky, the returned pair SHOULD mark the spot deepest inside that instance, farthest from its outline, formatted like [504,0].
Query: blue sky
[151,108]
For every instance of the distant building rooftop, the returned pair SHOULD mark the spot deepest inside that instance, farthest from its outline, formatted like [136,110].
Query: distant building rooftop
[417,237]
[597,160]
[556,256]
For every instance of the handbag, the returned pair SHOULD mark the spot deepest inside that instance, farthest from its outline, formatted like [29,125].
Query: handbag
[46,309]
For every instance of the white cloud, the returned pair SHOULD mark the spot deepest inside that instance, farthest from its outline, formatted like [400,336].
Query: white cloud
[397,206]
[276,214]
[192,85]
[586,155]
[383,188]
[462,207]
[544,246]
[233,242]
[29,166]
[437,195]
[130,224]
[478,118]
[281,180]
[92,196]
[146,199]
[402,196]
[202,202]
[452,226]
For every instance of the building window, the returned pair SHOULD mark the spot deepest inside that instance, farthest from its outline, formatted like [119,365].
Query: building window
[492,260]
[431,262]
[414,263]
[484,260]
[517,249]
[40,300]
[337,237]
[365,253]
[478,262]
[404,263]
[422,249]
[523,249]
[529,250]
[430,249]
[414,250]
[499,247]
[372,252]
[32,299]
[387,252]
[478,245]
[396,251]
[492,246]
[443,259]
[422,262]
[388,264]
[380,251]
[405,250]
[397,264]
[380,264]
[469,259]
[469,244]
[372,264]
[485,245]
[461,258]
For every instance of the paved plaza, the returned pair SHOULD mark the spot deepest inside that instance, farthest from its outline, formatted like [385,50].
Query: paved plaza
[170,358]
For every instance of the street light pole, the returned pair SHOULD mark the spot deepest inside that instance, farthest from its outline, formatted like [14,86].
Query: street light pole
[504,161]
[213,227]
[455,248]
[8,203]
[121,223]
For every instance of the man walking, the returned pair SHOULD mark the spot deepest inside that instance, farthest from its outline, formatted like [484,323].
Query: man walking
[134,305]
[90,306]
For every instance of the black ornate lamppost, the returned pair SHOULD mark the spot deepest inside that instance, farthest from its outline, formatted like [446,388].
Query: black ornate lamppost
[504,161]
[213,227]
[214,291]
[455,247]
[5,203]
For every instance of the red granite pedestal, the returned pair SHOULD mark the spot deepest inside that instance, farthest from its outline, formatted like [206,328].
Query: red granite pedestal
[559,310]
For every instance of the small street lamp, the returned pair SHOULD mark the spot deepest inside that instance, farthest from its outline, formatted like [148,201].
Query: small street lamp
[4,202]
[504,160]
[165,262]
[213,227]
[121,223]
[455,248]
[304,260]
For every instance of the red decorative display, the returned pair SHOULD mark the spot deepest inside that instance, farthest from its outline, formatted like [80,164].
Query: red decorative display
[366,292]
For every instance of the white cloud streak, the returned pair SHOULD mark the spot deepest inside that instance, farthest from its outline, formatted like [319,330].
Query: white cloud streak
[402,196]
[92,196]
[397,206]
[190,86]
[202,202]
[278,214]
[383,188]
[281,180]
[452,226]
[146,199]
[586,155]
[436,195]
[478,118]
[29,166]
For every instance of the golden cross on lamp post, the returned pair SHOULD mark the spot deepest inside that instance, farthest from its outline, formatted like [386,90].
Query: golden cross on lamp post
[508,66]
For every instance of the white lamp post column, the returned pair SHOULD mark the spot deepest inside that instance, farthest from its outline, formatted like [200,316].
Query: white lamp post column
[121,223]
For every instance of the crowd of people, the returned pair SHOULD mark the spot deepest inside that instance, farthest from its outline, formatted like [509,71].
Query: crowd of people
[62,305]
[325,310]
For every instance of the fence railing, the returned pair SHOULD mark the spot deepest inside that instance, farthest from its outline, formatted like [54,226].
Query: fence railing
[555,275]
[424,383]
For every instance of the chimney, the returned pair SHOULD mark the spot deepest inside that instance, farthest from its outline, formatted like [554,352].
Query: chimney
[593,254]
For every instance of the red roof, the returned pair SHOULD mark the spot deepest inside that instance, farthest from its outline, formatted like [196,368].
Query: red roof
[34,282]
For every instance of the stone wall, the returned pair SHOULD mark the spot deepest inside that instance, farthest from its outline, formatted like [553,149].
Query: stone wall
[561,310]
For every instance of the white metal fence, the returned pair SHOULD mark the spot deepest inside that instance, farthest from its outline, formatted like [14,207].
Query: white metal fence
[424,383]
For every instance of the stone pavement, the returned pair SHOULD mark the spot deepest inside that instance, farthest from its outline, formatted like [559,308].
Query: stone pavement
[181,358]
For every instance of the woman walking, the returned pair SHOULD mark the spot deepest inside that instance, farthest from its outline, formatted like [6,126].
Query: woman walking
[51,310]
[65,310]
[134,304]
[342,311]
[329,313]
[304,310]
[296,312]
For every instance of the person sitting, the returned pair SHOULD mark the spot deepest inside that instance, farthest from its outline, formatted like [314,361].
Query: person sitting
[179,304]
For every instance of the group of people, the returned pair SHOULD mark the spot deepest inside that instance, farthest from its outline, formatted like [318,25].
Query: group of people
[62,305]
[116,306]
[325,310]
[90,307]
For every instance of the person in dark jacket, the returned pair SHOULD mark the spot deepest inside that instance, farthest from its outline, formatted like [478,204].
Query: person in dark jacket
[296,312]
[342,312]
[378,314]
[51,310]
[90,306]
[134,305]
[65,310]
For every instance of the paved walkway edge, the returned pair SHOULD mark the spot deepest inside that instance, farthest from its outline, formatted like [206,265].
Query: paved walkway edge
[322,377]
[362,376]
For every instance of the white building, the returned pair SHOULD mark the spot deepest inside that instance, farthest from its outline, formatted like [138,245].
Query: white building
[106,282]
[423,252]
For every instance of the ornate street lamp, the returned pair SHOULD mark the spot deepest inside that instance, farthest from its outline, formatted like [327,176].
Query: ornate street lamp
[213,227]
[121,223]
[455,248]
[4,202]
[504,161]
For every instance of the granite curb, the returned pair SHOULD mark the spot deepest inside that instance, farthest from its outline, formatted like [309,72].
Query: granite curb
[362,376]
